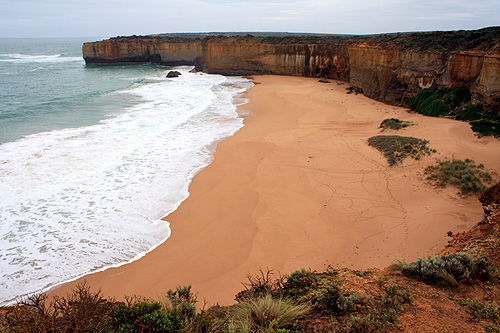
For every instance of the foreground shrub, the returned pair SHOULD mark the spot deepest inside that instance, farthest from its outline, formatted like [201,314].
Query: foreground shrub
[484,310]
[449,269]
[466,175]
[152,316]
[384,311]
[299,282]
[330,297]
[80,311]
[396,148]
[266,314]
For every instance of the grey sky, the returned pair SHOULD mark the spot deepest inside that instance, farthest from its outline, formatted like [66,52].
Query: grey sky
[106,18]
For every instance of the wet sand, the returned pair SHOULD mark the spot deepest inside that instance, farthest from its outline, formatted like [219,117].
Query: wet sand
[299,187]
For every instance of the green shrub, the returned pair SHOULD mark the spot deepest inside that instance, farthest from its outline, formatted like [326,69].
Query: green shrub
[384,311]
[449,269]
[486,127]
[299,282]
[395,124]
[484,310]
[145,316]
[396,148]
[466,175]
[152,316]
[366,324]
[472,112]
[456,103]
[331,297]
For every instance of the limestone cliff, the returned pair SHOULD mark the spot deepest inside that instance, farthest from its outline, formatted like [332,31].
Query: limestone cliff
[384,67]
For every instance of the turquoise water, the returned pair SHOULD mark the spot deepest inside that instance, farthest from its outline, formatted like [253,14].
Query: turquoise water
[45,85]
[92,158]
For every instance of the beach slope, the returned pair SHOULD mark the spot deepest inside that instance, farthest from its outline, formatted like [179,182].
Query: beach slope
[299,187]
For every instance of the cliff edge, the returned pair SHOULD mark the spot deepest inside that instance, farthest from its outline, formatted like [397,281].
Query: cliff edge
[388,67]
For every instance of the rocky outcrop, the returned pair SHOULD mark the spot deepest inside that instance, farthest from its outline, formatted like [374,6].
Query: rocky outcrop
[384,68]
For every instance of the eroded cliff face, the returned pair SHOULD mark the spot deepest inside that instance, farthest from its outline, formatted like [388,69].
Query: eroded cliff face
[383,72]
[129,50]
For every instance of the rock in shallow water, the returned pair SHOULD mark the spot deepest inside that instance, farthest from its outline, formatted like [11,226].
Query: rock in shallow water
[173,74]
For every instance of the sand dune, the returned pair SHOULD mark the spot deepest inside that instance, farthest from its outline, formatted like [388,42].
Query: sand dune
[299,187]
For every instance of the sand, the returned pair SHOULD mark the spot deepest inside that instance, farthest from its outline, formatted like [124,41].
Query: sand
[299,187]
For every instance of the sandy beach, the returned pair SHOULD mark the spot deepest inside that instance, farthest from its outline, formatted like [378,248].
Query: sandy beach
[299,187]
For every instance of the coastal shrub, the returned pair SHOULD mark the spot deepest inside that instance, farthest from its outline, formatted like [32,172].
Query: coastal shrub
[80,311]
[395,124]
[465,175]
[396,148]
[449,269]
[266,314]
[299,282]
[152,316]
[384,311]
[146,316]
[261,284]
[484,310]
[330,297]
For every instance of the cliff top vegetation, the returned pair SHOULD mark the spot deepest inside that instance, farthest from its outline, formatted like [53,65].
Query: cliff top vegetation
[441,41]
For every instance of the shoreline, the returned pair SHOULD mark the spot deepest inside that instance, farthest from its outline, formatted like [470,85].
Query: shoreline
[299,187]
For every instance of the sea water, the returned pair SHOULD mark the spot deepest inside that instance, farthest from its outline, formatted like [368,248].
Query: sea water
[91,158]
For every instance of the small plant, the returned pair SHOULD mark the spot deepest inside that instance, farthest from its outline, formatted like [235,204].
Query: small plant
[266,314]
[395,124]
[396,148]
[384,311]
[299,282]
[484,310]
[466,175]
[449,269]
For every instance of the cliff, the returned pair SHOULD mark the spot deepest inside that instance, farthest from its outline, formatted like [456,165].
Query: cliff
[384,67]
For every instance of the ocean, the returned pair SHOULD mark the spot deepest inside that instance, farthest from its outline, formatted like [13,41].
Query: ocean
[92,158]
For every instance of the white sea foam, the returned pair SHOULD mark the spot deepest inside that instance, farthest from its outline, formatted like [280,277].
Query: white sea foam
[26,58]
[77,200]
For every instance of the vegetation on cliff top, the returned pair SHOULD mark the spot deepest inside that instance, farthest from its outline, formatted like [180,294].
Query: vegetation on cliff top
[304,301]
[441,41]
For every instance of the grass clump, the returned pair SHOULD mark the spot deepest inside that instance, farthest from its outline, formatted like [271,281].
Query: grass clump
[395,124]
[466,175]
[266,314]
[449,269]
[396,148]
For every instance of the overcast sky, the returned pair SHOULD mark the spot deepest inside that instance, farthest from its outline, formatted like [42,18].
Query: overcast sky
[107,18]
